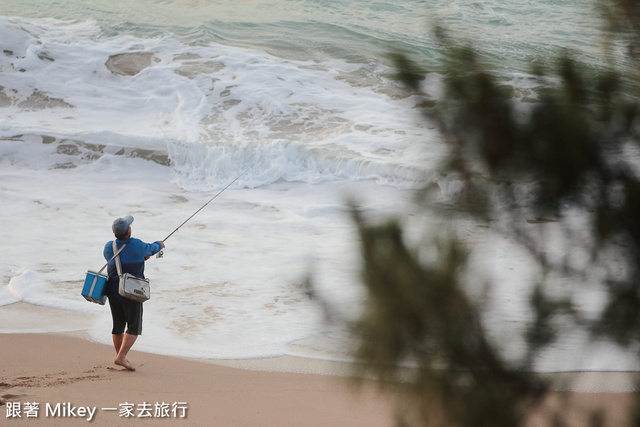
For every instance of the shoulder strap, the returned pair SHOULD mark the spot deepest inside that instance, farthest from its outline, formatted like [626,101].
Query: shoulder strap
[117,257]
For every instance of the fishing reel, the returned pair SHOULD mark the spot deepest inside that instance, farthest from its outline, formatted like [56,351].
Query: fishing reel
[160,254]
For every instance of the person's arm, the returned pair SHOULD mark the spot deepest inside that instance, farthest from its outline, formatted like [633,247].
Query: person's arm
[153,248]
[108,251]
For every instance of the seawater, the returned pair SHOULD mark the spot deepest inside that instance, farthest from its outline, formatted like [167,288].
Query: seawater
[151,108]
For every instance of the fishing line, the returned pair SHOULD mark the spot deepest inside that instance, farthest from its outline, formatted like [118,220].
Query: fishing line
[161,253]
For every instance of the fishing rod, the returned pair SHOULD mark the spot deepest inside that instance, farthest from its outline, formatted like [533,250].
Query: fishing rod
[161,253]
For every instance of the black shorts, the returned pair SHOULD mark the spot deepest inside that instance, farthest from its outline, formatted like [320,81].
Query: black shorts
[126,312]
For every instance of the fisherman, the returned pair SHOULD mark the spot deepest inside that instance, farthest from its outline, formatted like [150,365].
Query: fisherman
[124,311]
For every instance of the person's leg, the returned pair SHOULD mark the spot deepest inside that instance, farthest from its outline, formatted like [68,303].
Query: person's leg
[133,314]
[119,323]
[121,358]
[117,342]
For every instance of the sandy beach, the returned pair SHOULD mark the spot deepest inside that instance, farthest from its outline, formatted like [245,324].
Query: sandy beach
[65,371]
[73,380]
[52,369]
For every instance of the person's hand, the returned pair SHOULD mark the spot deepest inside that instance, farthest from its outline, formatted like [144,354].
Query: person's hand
[162,243]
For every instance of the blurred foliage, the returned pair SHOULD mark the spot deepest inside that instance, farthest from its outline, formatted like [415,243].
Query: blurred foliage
[420,314]
[574,150]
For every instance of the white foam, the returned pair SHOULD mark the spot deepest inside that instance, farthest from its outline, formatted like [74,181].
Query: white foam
[230,285]
[213,107]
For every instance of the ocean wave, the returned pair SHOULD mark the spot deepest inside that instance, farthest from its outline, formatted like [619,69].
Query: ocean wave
[206,167]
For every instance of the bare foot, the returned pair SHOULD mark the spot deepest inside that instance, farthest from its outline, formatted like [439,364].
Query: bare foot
[124,363]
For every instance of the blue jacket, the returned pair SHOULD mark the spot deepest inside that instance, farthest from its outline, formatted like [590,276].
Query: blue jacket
[131,258]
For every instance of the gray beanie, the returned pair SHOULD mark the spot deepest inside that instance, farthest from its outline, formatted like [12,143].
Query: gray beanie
[121,226]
